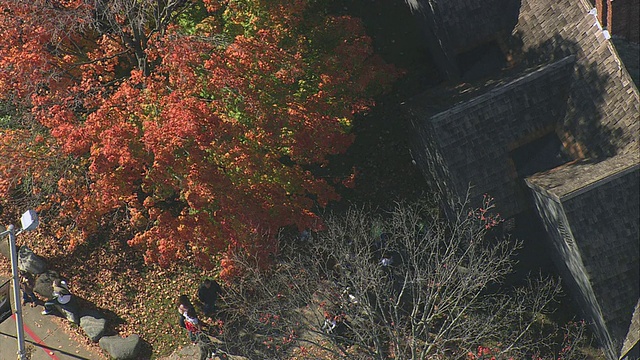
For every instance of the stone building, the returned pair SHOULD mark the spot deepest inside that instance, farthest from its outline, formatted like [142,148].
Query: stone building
[555,128]
[590,210]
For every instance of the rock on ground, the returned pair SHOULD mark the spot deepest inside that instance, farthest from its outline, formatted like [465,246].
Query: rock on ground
[93,325]
[44,281]
[121,348]
[30,262]
[192,352]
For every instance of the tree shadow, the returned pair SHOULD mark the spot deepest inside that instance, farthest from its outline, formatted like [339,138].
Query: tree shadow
[590,127]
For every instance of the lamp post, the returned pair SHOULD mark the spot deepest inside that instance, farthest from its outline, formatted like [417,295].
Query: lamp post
[29,221]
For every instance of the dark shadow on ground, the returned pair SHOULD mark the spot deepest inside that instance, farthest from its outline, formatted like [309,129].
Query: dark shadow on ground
[380,153]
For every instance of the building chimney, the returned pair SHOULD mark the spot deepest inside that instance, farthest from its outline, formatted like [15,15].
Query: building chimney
[623,19]
[601,9]
[620,18]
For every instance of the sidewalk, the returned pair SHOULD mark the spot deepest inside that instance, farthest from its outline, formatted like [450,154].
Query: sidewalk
[44,338]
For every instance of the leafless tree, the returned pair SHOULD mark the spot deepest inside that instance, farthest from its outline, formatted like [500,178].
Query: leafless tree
[134,22]
[406,284]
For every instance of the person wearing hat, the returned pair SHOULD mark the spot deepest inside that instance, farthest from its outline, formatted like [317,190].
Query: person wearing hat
[61,297]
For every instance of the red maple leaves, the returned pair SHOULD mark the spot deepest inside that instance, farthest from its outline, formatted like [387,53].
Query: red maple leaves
[201,131]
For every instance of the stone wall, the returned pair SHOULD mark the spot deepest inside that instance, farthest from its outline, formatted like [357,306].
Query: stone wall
[456,26]
[590,207]
[468,23]
[427,156]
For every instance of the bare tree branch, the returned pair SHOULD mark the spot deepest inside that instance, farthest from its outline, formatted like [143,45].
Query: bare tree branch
[404,285]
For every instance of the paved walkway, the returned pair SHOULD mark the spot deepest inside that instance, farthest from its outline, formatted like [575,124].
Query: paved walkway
[45,339]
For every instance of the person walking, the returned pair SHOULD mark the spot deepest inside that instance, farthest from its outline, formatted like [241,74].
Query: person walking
[26,285]
[192,324]
[208,295]
[183,304]
[189,321]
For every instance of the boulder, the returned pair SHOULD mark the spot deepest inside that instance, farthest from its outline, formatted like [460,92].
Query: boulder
[94,325]
[4,247]
[69,312]
[44,281]
[30,262]
[121,348]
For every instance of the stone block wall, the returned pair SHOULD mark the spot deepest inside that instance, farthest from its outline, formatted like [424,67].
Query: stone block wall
[426,155]
[468,23]
[589,207]
[455,26]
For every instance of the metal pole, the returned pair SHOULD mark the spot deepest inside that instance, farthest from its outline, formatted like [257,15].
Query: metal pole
[16,294]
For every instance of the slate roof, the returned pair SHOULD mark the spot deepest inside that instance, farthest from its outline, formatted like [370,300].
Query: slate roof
[601,204]
[462,24]
[448,98]
[574,178]
[583,94]
[474,136]
[602,117]
[632,341]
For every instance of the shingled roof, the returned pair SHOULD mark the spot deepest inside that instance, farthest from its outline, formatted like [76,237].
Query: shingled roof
[463,24]
[473,137]
[603,108]
[597,207]
[631,346]
[576,89]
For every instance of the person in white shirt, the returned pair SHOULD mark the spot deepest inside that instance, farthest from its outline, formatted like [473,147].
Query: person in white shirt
[61,296]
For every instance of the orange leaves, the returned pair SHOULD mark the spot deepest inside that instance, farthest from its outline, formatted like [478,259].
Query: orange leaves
[213,5]
[223,151]
[33,37]
[199,143]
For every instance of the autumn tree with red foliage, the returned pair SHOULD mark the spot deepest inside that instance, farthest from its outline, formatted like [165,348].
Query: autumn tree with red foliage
[198,122]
